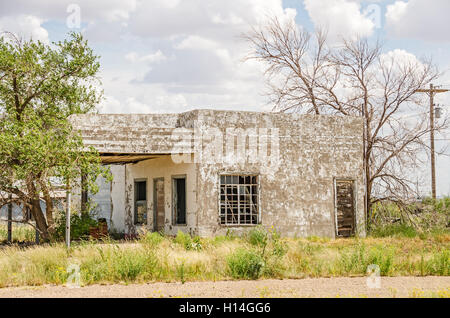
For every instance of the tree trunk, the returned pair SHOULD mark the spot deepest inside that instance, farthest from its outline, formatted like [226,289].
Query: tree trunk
[49,206]
[38,216]
[36,211]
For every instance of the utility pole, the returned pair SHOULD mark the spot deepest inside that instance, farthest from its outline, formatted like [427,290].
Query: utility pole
[365,166]
[432,91]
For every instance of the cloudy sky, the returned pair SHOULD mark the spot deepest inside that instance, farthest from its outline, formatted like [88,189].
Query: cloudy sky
[177,55]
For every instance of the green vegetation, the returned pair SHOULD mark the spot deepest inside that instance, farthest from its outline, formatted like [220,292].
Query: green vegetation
[259,254]
[21,233]
[41,86]
[79,226]
[419,219]
[245,264]
[188,242]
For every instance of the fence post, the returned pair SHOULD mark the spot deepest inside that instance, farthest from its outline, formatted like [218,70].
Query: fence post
[37,237]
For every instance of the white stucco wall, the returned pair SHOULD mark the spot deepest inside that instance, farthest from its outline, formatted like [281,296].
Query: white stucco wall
[162,167]
[117,197]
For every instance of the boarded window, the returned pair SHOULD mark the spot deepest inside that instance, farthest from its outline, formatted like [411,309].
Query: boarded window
[179,200]
[140,206]
[239,199]
[345,208]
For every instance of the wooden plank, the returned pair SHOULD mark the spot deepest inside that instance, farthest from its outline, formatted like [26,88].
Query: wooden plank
[345,208]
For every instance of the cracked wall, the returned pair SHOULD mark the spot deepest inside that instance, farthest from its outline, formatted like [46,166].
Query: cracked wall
[296,186]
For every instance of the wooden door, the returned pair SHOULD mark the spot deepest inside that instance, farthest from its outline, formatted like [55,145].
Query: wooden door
[345,208]
[158,197]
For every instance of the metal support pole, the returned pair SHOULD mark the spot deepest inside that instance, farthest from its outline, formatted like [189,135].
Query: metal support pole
[10,219]
[68,199]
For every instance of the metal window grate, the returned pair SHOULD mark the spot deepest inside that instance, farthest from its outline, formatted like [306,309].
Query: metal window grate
[238,199]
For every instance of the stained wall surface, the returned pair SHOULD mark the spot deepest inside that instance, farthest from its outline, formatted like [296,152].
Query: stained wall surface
[296,157]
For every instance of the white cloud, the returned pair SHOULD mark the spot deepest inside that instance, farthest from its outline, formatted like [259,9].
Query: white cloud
[215,18]
[156,57]
[205,49]
[197,42]
[103,18]
[25,26]
[401,58]
[420,19]
[167,55]
[341,18]
[107,10]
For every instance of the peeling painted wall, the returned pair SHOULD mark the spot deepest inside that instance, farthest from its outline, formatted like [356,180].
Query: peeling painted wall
[296,191]
[297,197]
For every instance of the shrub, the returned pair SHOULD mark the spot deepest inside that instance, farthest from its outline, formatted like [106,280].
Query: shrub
[279,247]
[416,219]
[383,258]
[391,230]
[258,236]
[152,239]
[440,264]
[245,264]
[188,242]
[79,225]
[115,264]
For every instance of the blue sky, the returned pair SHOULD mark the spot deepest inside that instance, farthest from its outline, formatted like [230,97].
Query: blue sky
[176,55]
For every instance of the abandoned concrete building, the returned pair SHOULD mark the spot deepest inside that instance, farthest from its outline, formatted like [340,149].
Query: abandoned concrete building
[206,172]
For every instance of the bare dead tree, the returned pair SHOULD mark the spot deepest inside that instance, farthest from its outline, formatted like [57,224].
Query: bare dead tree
[353,78]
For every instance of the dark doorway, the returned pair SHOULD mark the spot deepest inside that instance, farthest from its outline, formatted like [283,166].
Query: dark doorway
[345,208]
[140,205]
[179,200]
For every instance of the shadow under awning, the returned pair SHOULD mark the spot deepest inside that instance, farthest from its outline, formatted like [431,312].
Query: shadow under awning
[123,158]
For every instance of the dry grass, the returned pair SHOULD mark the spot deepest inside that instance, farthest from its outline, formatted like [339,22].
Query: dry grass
[156,258]
[21,233]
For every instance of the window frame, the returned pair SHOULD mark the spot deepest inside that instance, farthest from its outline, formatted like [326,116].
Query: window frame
[136,201]
[174,212]
[258,185]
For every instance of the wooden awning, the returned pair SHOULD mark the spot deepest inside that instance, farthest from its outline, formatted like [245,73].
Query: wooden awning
[119,158]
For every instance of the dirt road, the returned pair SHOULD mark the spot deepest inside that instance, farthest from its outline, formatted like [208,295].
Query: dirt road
[320,287]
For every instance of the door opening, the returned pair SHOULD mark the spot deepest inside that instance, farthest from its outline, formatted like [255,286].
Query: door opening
[179,200]
[345,208]
[158,204]
[140,202]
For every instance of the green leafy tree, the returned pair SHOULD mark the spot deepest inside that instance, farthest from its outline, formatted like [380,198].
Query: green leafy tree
[40,87]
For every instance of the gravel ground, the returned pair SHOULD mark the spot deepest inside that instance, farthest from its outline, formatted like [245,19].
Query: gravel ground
[318,287]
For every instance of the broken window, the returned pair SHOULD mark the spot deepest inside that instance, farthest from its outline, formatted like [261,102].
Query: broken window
[345,208]
[140,205]
[239,200]
[179,200]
